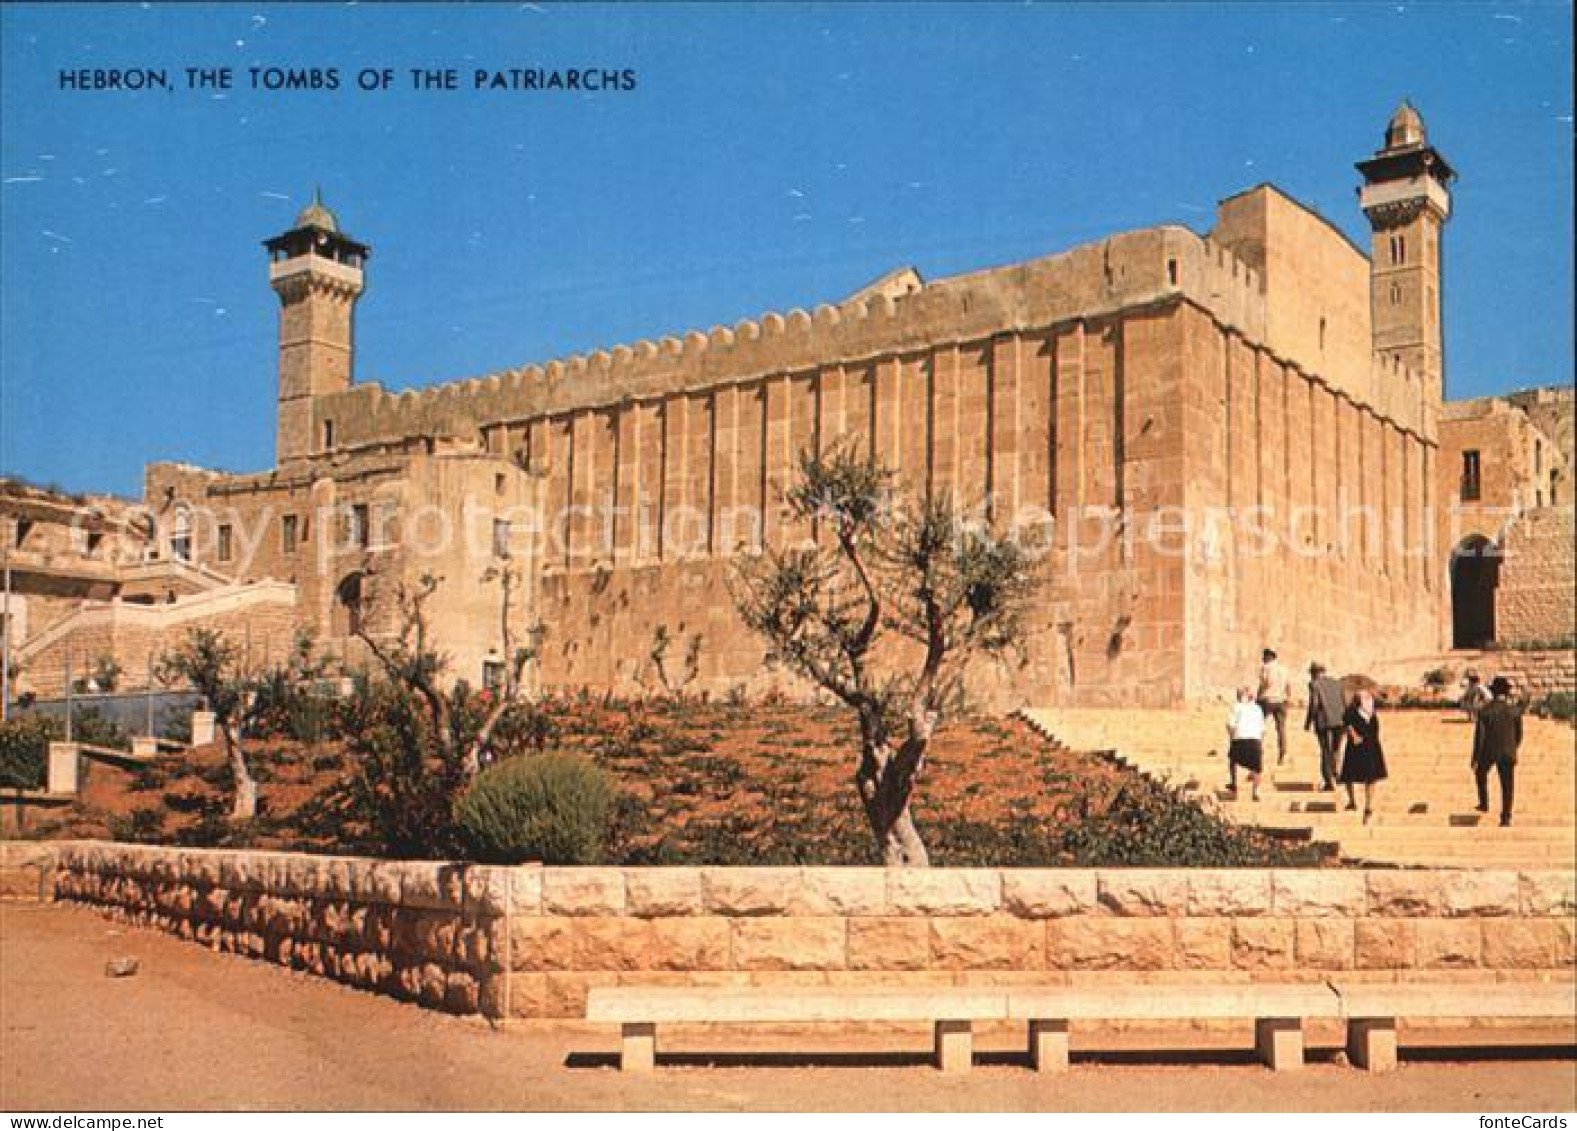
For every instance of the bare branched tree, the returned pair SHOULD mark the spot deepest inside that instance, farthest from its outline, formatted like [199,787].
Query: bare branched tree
[885,614]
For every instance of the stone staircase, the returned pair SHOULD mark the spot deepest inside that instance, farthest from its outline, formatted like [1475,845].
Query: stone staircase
[1424,812]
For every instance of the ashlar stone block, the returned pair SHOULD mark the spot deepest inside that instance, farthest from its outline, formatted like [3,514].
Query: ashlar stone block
[1263,944]
[750,891]
[944,891]
[1229,892]
[1385,944]
[1305,893]
[988,942]
[583,891]
[790,943]
[1044,893]
[1325,944]
[1480,893]
[1143,891]
[663,891]
[889,943]
[1449,943]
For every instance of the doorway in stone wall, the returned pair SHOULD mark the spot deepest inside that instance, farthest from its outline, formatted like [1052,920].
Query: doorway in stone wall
[347,606]
[1475,573]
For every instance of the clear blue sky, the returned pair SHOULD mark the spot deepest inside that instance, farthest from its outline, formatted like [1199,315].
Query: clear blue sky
[770,157]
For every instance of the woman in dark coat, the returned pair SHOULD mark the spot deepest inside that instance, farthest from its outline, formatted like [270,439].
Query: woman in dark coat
[1364,762]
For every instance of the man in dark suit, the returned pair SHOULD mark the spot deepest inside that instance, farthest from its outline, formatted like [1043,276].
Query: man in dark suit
[1496,737]
[1324,718]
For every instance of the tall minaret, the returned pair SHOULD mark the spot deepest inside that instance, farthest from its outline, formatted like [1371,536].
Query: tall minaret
[1407,197]
[317,272]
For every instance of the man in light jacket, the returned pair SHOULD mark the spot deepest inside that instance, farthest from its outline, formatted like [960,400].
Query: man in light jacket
[1324,718]
[1275,688]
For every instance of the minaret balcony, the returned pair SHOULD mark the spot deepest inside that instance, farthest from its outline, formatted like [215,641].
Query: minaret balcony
[315,266]
[1406,195]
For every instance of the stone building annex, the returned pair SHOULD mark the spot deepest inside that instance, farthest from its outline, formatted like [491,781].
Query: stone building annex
[1219,441]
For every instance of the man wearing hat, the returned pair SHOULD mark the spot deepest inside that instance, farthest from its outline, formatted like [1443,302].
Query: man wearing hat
[1474,697]
[1496,737]
[1324,718]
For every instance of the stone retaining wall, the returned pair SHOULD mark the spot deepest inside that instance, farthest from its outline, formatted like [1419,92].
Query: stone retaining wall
[27,871]
[528,942]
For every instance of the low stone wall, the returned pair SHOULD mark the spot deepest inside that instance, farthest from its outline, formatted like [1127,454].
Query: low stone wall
[847,926]
[1536,674]
[27,870]
[528,942]
[424,931]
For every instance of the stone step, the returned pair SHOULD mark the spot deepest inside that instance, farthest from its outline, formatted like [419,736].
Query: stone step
[1423,813]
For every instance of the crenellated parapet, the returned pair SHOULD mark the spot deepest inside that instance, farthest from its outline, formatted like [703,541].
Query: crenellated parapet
[1133,270]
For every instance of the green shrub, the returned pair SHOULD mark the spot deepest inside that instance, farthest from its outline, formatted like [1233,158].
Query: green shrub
[1438,677]
[140,826]
[1149,825]
[1557,705]
[24,743]
[287,706]
[550,807]
[91,726]
[175,725]
[24,752]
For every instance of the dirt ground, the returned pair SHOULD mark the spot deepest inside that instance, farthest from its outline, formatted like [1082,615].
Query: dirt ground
[194,1030]
[696,782]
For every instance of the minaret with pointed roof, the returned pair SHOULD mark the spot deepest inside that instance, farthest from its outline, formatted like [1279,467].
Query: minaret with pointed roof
[317,272]
[1407,197]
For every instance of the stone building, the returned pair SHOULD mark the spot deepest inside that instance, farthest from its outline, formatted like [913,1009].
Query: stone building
[1216,442]
[85,581]
[1505,517]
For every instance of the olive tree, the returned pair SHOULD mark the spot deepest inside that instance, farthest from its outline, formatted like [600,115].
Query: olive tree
[885,610]
[411,664]
[210,663]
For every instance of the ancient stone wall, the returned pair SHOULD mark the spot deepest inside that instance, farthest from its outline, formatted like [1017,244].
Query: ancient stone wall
[528,942]
[1534,602]
[1553,411]
[1072,398]
[1311,516]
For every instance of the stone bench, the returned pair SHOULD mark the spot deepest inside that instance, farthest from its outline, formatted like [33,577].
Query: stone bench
[1372,1010]
[1277,1011]
[639,1010]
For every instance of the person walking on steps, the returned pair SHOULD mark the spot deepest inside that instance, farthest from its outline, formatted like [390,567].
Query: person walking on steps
[1364,762]
[1324,718]
[1245,739]
[1275,688]
[1474,697]
[1496,737]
